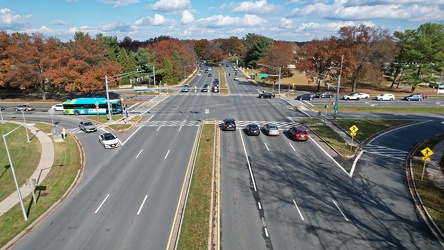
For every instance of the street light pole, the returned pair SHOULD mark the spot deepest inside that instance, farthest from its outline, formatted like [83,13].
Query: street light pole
[154,76]
[337,89]
[110,112]
[14,176]
[26,126]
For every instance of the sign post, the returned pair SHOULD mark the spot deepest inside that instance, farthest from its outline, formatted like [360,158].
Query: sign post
[353,130]
[427,152]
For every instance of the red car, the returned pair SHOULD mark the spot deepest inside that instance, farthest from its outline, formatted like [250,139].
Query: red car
[298,133]
[424,95]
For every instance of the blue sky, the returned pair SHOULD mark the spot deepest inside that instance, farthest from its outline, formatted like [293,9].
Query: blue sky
[290,20]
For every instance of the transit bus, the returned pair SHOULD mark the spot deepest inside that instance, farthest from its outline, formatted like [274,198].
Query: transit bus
[87,106]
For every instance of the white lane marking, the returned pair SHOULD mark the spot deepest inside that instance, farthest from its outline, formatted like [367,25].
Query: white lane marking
[159,128]
[180,127]
[355,161]
[331,158]
[292,147]
[300,214]
[139,153]
[266,232]
[102,204]
[340,210]
[136,131]
[141,205]
[266,146]
[248,162]
[167,154]
[259,205]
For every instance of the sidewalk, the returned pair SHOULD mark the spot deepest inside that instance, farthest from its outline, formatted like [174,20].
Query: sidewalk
[43,168]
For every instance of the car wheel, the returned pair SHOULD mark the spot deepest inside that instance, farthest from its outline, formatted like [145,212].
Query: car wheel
[391,99]
[359,98]
[311,98]
[380,99]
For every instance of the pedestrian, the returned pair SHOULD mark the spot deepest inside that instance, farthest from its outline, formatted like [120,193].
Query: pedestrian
[63,133]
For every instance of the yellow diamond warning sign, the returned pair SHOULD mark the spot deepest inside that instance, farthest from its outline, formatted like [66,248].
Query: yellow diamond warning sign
[427,152]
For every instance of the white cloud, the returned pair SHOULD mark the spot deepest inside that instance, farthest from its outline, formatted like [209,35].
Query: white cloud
[119,3]
[10,20]
[257,7]
[227,21]
[156,20]
[171,5]
[286,22]
[338,11]
[187,17]
[58,22]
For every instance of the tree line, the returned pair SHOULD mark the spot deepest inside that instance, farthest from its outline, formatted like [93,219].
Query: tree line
[361,54]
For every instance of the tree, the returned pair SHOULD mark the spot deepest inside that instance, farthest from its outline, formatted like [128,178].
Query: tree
[422,49]
[232,46]
[29,62]
[217,55]
[201,48]
[5,63]
[255,46]
[365,50]
[280,54]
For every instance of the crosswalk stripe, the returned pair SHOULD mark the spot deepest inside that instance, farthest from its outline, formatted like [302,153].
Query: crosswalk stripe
[385,151]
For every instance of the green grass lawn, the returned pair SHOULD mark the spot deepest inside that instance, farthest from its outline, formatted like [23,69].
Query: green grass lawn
[23,155]
[67,164]
[195,228]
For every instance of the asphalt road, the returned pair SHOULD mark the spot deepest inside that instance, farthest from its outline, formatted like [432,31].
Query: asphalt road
[275,193]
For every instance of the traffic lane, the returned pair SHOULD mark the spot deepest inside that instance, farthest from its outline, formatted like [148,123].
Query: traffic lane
[183,108]
[406,137]
[257,109]
[300,210]
[383,209]
[241,226]
[75,220]
[142,211]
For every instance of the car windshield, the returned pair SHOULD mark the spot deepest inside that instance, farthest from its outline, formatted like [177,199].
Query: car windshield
[253,126]
[272,127]
[108,137]
[88,124]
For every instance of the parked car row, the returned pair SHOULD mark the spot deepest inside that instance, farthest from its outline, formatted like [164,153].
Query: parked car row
[359,96]
[296,132]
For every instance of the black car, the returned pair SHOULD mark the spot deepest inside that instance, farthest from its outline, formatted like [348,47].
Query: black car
[2,108]
[216,81]
[325,95]
[305,97]
[204,88]
[210,75]
[229,124]
[266,95]
[253,129]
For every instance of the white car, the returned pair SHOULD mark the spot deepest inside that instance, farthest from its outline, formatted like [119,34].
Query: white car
[57,107]
[109,140]
[236,78]
[352,96]
[199,74]
[385,97]
[364,95]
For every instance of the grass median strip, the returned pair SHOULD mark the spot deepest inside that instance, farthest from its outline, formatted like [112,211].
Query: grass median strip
[67,163]
[195,227]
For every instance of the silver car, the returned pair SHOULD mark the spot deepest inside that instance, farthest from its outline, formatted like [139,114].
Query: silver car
[271,129]
[87,126]
[109,140]
[24,108]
